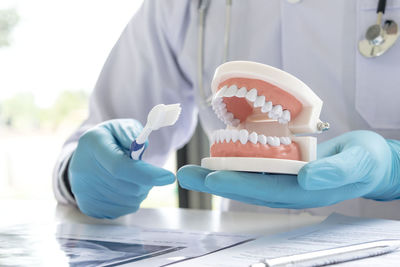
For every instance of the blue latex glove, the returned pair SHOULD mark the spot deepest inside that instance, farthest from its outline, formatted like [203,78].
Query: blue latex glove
[355,164]
[105,181]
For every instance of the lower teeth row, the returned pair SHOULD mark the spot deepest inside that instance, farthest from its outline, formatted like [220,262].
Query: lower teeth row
[243,136]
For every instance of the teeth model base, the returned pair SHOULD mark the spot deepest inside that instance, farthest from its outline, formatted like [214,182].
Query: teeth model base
[253,164]
[263,108]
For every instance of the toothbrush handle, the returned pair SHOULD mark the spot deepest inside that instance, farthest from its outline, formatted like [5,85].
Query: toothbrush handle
[137,150]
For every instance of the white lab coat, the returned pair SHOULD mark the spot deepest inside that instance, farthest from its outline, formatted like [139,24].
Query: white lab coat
[155,61]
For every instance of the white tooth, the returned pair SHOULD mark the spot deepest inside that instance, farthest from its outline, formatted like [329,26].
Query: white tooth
[221,92]
[266,107]
[285,140]
[252,95]
[269,140]
[228,136]
[259,101]
[273,141]
[235,122]
[216,140]
[222,136]
[235,135]
[262,139]
[241,92]
[220,105]
[243,136]
[231,91]
[276,112]
[214,104]
[213,138]
[229,116]
[223,111]
[272,115]
[216,100]
[282,121]
[218,136]
[253,137]
[276,141]
[286,115]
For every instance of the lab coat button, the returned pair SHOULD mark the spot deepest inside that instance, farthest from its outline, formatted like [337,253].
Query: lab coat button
[294,1]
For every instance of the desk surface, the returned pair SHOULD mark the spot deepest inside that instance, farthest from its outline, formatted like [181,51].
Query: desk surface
[21,212]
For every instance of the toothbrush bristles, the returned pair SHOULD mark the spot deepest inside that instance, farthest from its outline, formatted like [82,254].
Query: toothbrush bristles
[172,114]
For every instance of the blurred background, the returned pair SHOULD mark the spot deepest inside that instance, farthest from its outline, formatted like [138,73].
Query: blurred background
[51,53]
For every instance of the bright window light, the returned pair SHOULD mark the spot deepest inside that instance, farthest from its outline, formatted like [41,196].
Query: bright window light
[51,54]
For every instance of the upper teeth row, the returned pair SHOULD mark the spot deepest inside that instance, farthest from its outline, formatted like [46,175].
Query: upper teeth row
[243,136]
[223,114]
[275,112]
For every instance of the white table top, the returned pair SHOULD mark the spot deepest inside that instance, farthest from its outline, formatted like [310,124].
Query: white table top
[30,228]
[22,212]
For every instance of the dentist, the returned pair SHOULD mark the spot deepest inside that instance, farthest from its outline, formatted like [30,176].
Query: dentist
[156,60]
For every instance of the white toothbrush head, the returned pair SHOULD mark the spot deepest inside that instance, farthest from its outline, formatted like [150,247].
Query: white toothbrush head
[163,115]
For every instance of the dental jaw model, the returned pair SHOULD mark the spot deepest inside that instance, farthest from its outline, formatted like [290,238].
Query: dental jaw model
[264,109]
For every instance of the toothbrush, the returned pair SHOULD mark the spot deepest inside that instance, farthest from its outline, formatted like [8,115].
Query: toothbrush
[159,116]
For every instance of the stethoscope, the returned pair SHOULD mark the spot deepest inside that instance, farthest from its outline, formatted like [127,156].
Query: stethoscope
[378,39]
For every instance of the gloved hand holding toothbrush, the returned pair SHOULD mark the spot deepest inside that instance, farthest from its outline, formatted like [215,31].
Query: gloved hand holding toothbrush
[105,180]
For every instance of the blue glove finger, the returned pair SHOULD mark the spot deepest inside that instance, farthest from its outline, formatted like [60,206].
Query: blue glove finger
[354,157]
[275,191]
[126,188]
[116,199]
[329,148]
[283,190]
[117,163]
[124,131]
[253,185]
[371,141]
[104,209]
[352,165]
[192,177]
[104,182]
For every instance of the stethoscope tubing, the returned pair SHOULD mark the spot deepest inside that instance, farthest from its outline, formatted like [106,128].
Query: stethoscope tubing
[202,10]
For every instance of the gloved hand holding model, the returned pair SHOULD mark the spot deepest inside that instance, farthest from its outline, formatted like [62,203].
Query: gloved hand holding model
[105,181]
[355,164]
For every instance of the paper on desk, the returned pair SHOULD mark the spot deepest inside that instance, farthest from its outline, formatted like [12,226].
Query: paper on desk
[337,230]
[109,245]
[105,245]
